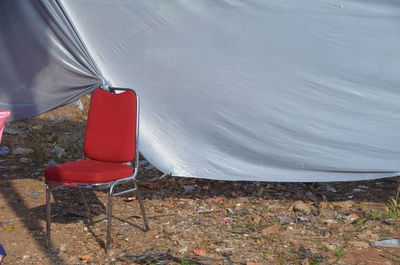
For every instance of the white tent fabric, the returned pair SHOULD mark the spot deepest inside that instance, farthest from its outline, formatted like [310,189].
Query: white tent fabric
[288,90]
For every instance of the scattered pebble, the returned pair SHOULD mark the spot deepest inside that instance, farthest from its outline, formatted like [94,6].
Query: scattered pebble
[24,160]
[300,206]
[4,150]
[351,218]
[22,151]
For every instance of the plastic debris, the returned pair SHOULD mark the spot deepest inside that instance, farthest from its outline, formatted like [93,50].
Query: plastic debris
[129,199]
[85,257]
[9,227]
[35,194]
[199,252]
[79,104]
[387,243]
[225,219]
[2,253]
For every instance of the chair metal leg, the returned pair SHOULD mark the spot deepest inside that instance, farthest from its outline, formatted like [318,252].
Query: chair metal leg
[109,217]
[88,212]
[48,215]
[139,197]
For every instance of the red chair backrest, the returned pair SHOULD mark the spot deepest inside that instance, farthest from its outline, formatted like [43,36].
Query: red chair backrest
[111,126]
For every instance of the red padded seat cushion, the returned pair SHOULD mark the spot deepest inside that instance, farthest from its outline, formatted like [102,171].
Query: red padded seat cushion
[88,171]
[111,126]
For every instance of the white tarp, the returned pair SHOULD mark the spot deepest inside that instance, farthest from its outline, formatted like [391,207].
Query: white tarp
[288,90]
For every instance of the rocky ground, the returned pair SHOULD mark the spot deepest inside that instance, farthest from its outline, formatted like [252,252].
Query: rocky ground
[193,221]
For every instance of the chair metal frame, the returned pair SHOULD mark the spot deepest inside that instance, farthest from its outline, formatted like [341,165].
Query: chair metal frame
[109,185]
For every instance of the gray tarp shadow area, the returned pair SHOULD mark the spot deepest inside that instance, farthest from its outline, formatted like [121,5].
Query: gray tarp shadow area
[43,65]
[20,49]
[38,74]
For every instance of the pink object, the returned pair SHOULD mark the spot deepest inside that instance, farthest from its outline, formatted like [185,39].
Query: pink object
[3,117]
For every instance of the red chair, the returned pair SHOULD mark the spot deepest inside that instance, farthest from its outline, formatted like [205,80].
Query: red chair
[111,140]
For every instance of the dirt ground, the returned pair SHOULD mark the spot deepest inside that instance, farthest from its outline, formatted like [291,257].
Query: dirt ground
[192,221]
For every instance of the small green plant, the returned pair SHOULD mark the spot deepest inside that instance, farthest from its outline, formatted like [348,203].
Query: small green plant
[393,206]
[316,259]
[268,252]
[371,215]
[324,248]
[184,262]
[221,228]
[282,260]
[339,253]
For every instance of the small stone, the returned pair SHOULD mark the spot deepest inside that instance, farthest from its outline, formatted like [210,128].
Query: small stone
[344,205]
[330,188]
[351,218]
[273,229]
[63,247]
[59,151]
[4,150]
[389,221]
[24,160]
[51,163]
[183,250]
[188,188]
[331,247]
[170,230]
[330,222]
[12,132]
[111,253]
[22,151]
[281,188]
[62,118]
[284,219]
[151,233]
[202,209]
[369,222]
[359,244]
[300,206]
[143,162]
